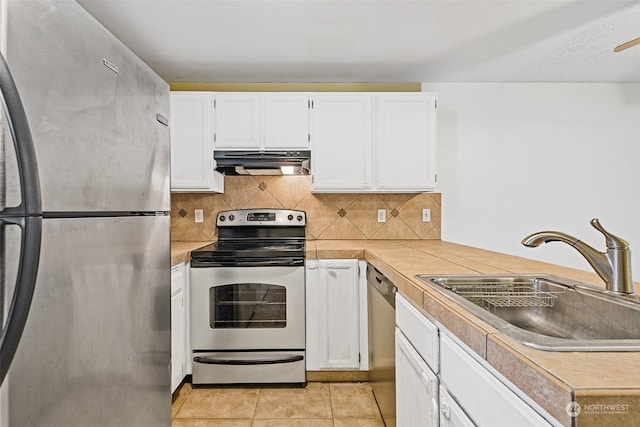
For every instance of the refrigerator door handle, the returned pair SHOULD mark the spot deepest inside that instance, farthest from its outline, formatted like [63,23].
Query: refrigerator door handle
[31,231]
[18,126]
[27,215]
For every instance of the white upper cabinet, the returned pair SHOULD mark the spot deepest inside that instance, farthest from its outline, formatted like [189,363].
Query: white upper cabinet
[246,121]
[237,124]
[286,121]
[405,142]
[191,129]
[341,149]
[373,142]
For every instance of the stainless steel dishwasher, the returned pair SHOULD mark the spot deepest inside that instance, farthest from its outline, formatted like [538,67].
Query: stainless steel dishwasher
[382,357]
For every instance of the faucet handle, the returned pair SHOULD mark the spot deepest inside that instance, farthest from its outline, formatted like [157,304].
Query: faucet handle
[613,241]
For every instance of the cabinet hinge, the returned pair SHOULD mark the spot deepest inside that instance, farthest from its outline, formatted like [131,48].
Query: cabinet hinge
[214,137]
[436,103]
[312,103]
[436,177]
[214,103]
[308,103]
[308,137]
[359,357]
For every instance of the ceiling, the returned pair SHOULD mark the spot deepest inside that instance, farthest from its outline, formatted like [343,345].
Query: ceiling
[378,40]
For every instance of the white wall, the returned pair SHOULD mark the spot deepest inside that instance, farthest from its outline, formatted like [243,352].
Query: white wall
[516,158]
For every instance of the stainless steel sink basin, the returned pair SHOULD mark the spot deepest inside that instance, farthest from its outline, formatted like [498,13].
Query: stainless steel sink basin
[547,312]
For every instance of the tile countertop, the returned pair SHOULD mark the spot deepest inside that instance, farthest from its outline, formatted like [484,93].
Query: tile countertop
[551,379]
[181,251]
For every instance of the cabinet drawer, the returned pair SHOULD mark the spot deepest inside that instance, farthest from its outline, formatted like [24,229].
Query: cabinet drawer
[476,389]
[421,332]
[177,278]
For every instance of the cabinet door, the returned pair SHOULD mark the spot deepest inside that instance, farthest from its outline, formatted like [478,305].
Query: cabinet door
[237,121]
[451,414]
[178,326]
[332,315]
[405,142]
[286,121]
[341,143]
[416,387]
[192,143]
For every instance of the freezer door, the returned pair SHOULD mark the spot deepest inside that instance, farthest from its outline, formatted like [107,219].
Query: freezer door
[96,347]
[95,110]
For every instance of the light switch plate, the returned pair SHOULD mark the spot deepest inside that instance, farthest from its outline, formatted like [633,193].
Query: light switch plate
[426,215]
[382,215]
[199,216]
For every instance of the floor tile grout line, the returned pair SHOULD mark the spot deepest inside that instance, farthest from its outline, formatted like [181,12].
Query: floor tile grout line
[255,408]
[333,420]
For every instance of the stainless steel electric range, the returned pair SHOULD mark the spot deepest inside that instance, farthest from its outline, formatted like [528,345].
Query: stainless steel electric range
[247,300]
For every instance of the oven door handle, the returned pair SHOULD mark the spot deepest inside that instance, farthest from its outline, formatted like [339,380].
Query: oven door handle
[214,361]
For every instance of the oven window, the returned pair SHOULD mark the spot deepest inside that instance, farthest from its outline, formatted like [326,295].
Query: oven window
[248,305]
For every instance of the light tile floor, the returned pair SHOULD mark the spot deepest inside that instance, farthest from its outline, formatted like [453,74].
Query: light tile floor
[316,405]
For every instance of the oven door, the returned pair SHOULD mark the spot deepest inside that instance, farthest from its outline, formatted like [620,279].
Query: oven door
[247,308]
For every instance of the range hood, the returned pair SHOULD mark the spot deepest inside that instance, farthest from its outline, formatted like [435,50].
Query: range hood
[263,162]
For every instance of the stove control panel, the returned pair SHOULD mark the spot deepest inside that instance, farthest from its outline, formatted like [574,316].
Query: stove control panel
[261,217]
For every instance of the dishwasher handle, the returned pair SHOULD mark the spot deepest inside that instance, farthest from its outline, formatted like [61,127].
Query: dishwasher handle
[382,284]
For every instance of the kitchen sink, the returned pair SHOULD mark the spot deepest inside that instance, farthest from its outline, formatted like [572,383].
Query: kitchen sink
[547,312]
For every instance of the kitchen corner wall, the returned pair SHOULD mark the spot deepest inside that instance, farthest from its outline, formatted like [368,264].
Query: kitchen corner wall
[329,216]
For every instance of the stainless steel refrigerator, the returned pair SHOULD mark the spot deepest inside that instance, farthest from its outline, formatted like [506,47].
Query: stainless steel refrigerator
[84,225]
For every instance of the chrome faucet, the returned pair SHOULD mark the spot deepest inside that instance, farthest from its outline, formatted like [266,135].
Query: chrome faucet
[614,266]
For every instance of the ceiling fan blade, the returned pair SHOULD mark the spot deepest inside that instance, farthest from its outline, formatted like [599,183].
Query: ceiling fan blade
[627,45]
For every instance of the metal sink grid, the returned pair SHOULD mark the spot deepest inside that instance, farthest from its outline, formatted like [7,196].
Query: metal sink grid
[547,312]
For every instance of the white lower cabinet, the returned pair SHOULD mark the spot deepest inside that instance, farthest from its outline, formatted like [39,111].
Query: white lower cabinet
[436,373]
[416,387]
[178,325]
[336,315]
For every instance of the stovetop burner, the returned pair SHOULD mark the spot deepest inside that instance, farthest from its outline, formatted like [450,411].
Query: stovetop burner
[255,237]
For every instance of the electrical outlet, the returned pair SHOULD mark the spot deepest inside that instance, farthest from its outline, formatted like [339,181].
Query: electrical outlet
[199,215]
[382,215]
[426,215]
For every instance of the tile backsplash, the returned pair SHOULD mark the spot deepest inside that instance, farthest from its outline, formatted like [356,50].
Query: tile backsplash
[329,216]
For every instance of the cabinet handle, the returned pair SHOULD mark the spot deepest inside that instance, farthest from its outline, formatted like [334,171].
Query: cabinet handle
[445,409]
